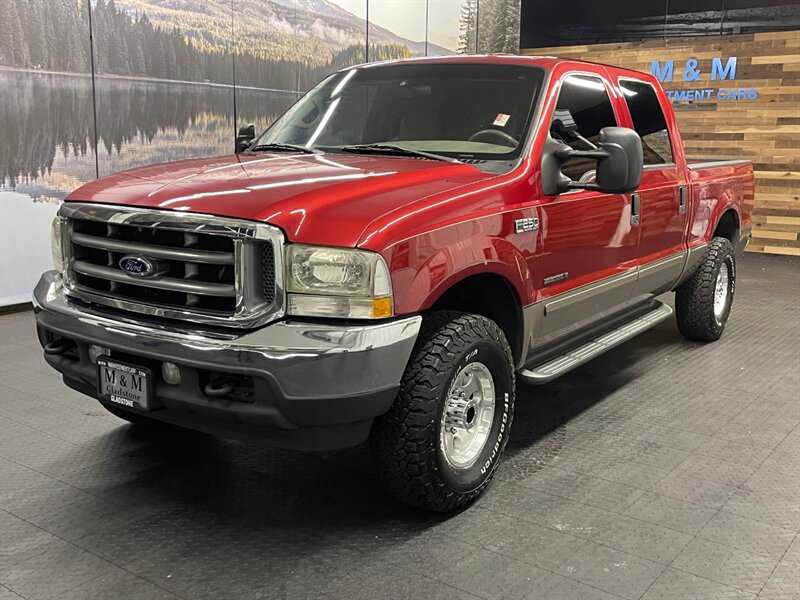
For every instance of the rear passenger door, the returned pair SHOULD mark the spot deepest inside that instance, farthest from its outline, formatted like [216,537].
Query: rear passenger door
[588,268]
[663,195]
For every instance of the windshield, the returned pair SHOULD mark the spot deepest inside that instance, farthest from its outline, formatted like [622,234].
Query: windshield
[462,111]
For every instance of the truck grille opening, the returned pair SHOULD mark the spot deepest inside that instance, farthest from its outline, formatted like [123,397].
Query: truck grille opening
[185,271]
[268,271]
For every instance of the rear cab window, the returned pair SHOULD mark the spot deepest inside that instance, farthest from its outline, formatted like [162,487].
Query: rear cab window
[648,121]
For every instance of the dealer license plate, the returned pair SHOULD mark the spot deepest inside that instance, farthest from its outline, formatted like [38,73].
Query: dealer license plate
[127,385]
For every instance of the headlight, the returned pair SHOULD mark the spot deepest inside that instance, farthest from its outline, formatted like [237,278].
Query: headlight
[57,243]
[337,282]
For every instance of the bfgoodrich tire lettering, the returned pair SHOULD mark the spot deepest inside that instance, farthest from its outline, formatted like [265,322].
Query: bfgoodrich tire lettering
[695,299]
[407,441]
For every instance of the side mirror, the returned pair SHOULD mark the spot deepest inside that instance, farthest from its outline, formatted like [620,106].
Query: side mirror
[245,137]
[621,170]
[619,163]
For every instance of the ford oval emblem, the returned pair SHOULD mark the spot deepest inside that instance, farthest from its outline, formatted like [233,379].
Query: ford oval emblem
[137,266]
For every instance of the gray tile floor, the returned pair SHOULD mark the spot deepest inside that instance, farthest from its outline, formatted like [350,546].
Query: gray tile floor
[665,469]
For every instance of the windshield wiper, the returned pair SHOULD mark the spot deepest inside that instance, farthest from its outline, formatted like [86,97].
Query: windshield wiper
[395,150]
[283,148]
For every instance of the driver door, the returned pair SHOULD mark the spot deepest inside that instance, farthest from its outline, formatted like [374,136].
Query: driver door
[589,268]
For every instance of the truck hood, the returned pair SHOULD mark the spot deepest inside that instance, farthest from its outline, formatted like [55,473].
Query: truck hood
[317,199]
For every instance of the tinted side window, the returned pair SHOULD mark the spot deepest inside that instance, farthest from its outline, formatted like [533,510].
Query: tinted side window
[648,120]
[583,109]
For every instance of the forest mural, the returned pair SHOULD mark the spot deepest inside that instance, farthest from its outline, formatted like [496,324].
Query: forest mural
[169,79]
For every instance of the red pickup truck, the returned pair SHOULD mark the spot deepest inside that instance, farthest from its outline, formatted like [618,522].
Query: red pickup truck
[386,261]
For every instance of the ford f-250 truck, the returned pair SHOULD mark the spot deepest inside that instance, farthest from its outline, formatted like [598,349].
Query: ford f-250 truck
[390,257]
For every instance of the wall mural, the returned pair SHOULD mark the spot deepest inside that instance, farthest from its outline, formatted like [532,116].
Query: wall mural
[173,79]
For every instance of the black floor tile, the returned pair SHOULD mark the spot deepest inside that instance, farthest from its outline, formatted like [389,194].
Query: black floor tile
[665,469]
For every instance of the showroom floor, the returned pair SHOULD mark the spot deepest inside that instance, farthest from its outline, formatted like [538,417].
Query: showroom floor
[665,469]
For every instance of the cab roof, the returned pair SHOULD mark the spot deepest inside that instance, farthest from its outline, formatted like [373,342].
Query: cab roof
[548,63]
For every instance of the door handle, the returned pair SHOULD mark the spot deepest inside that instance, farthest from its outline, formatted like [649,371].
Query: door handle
[635,208]
[683,194]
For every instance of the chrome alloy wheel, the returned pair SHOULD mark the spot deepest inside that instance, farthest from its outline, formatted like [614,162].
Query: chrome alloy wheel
[468,415]
[721,290]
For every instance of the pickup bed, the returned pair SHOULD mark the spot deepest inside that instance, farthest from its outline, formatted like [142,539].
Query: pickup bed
[390,257]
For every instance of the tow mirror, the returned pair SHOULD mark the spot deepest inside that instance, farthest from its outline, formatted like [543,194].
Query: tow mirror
[245,137]
[619,163]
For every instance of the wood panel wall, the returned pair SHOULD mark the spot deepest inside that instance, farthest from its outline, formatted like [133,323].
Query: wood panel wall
[765,130]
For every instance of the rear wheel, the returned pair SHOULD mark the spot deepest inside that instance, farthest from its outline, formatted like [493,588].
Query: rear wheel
[440,443]
[703,303]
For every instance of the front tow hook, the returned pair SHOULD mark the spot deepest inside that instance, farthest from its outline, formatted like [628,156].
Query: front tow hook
[58,347]
[218,388]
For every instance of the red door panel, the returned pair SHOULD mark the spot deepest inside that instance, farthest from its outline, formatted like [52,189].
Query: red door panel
[587,235]
[662,223]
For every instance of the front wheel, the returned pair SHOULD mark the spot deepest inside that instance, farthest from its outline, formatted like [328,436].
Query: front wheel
[440,443]
[703,303]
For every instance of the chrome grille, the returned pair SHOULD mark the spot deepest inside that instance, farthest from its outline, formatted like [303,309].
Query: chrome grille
[200,267]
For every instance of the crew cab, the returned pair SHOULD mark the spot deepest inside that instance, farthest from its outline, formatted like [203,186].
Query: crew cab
[389,259]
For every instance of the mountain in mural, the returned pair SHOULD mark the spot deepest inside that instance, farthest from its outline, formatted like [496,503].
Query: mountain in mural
[311,31]
[268,44]
[322,8]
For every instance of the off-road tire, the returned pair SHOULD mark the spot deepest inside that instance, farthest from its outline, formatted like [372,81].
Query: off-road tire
[406,441]
[694,299]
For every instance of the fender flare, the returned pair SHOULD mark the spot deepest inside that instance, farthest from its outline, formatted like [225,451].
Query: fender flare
[723,204]
[458,264]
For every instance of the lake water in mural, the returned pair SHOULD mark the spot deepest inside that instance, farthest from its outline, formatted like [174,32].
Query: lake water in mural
[47,137]
[47,132]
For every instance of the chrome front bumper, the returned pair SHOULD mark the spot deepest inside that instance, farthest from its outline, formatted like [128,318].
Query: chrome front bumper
[317,385]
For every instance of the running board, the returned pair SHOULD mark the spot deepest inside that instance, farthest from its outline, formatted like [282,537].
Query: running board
[555,367]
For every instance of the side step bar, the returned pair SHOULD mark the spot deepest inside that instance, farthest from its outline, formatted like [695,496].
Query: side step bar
[555,367]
